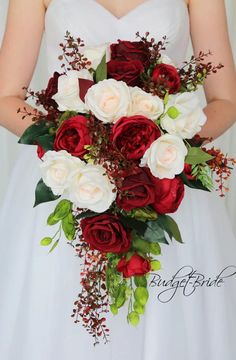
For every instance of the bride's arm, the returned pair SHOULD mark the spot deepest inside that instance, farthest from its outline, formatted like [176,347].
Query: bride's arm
[18,57]
[209,32]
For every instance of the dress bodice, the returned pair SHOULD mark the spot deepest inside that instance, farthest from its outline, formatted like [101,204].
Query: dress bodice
[90,21]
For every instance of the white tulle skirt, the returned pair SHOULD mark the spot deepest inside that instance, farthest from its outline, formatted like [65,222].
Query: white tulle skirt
[37,289]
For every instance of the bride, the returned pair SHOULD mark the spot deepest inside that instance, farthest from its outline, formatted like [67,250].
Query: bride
[37,289]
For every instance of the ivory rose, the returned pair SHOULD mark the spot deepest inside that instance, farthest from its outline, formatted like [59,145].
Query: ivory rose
[108,100]
[165,157]
[143,103]
[184,116]
[90,188]
[56,169]
[68,94]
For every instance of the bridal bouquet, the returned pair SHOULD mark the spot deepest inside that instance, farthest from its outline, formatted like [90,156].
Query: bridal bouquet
[118,144]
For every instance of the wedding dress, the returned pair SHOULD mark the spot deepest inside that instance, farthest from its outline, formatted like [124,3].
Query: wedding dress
[38,289]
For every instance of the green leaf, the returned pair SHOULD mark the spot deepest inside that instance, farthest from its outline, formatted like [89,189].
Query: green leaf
[194,184]
[141,295]
[121,296]
[67,115]
[139,308]
[144,214]
[154,232]
[86,214]
[155,265]
[46,141]
[43,194]
[169,225]
[54,245]
[155,249]
[140,244]
[137,225]
[133,318]
[68,226]
[197,156]
[101,71]
[62,209]
[140,281]
[114,309]
[51,220]
[46,241]
[33,132]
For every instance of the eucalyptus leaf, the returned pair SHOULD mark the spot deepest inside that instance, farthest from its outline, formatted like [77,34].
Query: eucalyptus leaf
[43,193]
[154,232]
[169,225]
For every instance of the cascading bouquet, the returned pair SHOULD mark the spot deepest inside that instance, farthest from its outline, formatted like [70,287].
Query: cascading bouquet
[118,144]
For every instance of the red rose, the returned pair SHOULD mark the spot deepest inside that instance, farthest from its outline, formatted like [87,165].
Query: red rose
[106,234]
[52,89]
[135,266]
[167,76]
[133,135]
[188,172]
[127,71]
[168,194]
[131,50]
[73,135]
[139,189]
[40,151]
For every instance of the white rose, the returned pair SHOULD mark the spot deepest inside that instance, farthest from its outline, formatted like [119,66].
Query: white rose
[68,94]
[184,116]
[56,169]
[95,54]
[143,103]
[91,189]
[165,157]
[108,100]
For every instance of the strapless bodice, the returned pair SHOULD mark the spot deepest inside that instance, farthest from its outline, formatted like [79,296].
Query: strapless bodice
[93,23]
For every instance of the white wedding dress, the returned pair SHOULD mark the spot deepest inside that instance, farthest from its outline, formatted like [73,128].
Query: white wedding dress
[38,289]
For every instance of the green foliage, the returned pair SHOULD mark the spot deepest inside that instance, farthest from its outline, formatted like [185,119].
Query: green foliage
[33,132]
[62,209]
[54,245]
[141,295]
[101,71]
[169,225]
[133,318]
[46,241]
[204,175]
[194,184]
[154,232]
[68,226]
[43,194]
[138,308]
[155,265]
[66,115]
[140,281]
[197,156]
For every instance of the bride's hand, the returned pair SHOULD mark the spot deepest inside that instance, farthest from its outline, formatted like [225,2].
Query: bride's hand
[209,31]
[18,58]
